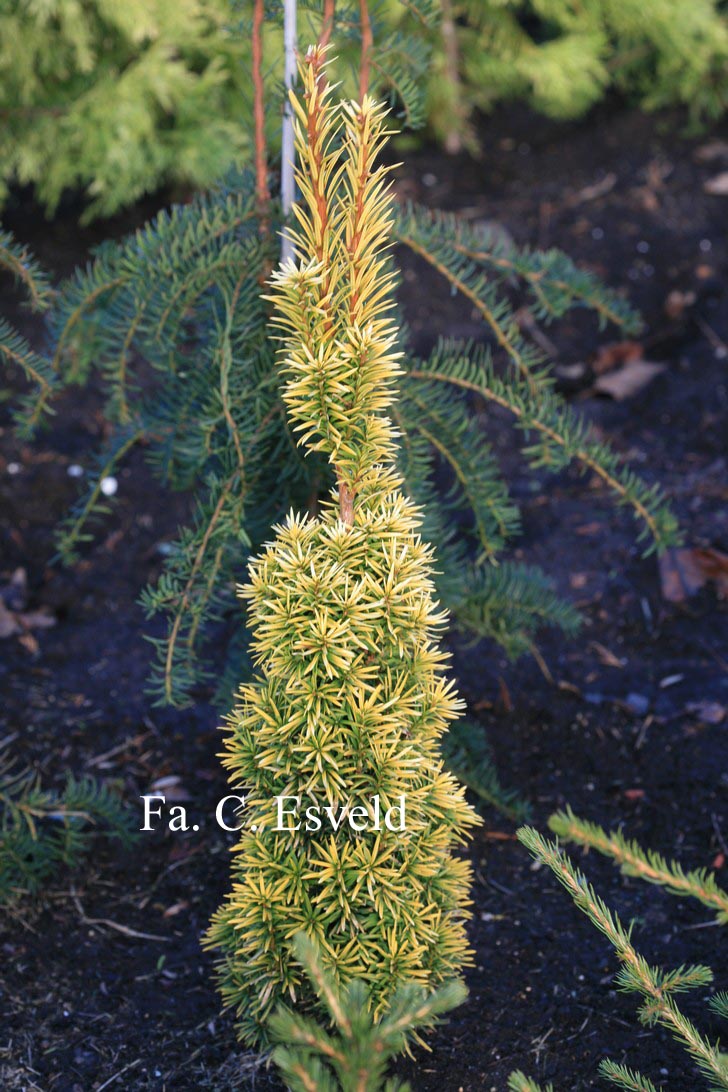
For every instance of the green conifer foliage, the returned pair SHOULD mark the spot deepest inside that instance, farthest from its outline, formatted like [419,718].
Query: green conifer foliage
[657,988]
[119,98]
[353,1056]
[563,57]
[350,698]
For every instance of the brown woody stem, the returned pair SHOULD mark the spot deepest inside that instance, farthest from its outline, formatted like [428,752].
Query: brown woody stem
[346,503]
[327,24]
[367,41]
[262,191]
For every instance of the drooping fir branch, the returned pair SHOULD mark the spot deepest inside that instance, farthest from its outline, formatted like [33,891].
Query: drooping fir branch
[189,589]
[18,261]
[435,414]
[470,758]
[559,436]
[646,865]
[655,986]
[466,278]
[554,282]
[15,350]
[75,530]
[353,1054]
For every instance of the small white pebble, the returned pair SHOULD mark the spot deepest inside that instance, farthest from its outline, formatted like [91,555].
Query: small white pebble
[109,486]
[643,247]
[705,245]
[14,468]
[75,471]
[597,233]
[429,179]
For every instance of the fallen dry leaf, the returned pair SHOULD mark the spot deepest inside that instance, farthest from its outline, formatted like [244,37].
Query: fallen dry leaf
[684,572]
[714,149]
[605,656]
[8,622]
[15,593]
[29,643]
[709,712]
[37,619]
[717,185]
[586,529]
[178,907]
[615,354]
[14,623]
[504,695]
[629,380]
[633,794]
[677,302]
[597,189]
[171,787]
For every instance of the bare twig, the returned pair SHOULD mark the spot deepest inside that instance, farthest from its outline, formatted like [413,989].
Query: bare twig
[367,40]
[126,930]
[131,1065]
[327,24]
[262,191]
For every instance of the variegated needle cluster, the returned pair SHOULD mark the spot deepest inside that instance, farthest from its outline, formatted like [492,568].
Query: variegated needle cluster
[350,699]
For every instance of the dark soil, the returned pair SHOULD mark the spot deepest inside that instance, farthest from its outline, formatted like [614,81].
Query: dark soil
[90,1005]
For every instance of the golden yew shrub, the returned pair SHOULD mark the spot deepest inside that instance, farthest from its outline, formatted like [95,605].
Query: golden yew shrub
[350,698]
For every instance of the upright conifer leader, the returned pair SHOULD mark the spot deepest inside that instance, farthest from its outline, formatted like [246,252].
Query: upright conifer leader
[350,699]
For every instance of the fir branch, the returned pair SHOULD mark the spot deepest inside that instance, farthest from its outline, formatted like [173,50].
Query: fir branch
[183,600]
[636,975]
[470,758]
[562,435]
[16,350]
[465,277]
[436,414]
[42,830]
[646,865]
[719,1004]
[509,603]
[71,533]
[623,1077]
[23,267]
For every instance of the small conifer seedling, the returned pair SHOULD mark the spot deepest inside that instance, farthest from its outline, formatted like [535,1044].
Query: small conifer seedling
[355,1055]
[336,739]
